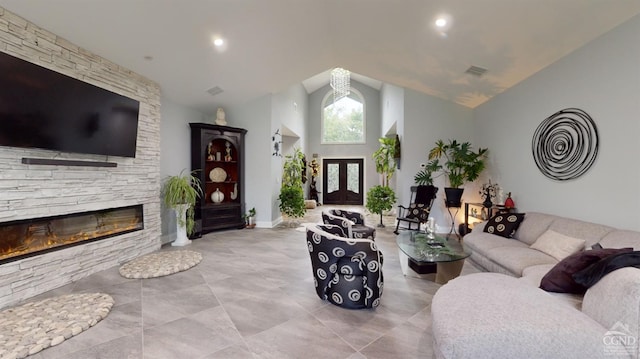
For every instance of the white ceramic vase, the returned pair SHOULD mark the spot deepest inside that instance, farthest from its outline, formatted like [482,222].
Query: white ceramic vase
[217,196]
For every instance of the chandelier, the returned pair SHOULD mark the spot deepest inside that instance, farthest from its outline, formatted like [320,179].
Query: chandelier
[340,83]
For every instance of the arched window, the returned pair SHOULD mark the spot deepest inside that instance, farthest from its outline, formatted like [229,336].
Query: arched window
[343,121]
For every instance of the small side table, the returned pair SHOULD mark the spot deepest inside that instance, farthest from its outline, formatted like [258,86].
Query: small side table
[453,219]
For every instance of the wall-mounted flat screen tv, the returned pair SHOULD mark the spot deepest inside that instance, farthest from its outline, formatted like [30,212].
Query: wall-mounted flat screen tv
[41,108]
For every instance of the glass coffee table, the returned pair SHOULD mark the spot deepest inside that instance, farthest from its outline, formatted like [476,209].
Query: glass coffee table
[443,254]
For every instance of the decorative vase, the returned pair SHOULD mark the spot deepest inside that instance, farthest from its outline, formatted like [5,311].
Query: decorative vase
[251,222]
[508,203]
[487,199]
[234,194]
[181,231]
[217,196]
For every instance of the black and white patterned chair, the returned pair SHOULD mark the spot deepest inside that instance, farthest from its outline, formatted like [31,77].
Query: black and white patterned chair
[347,271]
[354,226]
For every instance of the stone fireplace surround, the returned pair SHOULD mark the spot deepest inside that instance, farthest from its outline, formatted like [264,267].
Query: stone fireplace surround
[31,191]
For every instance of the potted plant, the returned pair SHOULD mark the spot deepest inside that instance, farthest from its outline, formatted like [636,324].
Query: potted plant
[379,199]
[424,177]
[459,163]
[384,158]
[250,218]
[181,193]
[291,194]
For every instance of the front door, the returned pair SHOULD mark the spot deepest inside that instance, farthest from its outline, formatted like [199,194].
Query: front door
[342,181]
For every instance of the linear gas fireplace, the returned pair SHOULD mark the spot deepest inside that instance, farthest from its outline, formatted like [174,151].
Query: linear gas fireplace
[25,238]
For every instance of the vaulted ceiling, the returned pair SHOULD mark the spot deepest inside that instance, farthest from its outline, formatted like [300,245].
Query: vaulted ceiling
[274,44]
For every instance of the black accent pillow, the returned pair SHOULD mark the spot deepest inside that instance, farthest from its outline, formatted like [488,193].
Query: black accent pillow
[593,273]
[417,211]
[504,224]
[559,279]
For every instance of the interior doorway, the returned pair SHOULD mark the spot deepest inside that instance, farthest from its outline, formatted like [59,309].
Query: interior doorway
[342,182]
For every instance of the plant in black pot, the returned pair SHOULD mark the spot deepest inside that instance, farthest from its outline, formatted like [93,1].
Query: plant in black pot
[459,162]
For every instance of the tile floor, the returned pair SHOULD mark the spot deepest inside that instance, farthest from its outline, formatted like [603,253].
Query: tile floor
[252,296]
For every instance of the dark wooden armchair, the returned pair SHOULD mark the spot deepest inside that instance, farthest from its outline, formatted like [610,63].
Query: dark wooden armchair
[419,208]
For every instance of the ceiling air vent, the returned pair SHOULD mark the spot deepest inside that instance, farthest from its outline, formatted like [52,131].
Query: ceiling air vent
[476,71]
[215,90]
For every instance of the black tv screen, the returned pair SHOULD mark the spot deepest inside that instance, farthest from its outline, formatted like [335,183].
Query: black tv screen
[41,108]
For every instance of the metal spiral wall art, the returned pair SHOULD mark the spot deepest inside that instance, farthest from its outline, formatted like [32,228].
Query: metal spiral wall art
[565,144]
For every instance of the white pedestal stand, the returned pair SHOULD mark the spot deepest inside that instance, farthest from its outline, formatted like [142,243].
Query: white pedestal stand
[181,231]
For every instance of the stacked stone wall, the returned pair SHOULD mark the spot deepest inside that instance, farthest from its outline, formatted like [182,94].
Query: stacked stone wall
[32,191]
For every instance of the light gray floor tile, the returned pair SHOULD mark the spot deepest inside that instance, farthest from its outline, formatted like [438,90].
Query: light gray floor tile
[252,296]
[303,337]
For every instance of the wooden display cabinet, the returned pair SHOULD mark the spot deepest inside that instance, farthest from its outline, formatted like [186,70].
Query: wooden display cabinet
[217,157]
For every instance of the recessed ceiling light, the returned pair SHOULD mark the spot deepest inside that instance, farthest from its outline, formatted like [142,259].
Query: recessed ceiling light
[442,24]
[218,42]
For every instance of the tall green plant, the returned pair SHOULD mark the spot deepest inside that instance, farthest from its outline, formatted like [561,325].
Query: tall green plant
[384,157]
[292,169]
[291,194]
[457,161]
[179,190]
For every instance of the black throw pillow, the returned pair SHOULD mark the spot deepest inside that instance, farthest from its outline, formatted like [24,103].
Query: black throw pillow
[593,273]
[417,211]
[559,279]
[504,224]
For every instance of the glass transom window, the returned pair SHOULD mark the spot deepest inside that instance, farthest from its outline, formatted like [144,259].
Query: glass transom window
[343,121]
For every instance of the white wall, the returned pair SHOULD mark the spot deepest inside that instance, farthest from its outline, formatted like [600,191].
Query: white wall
[175,151]
[426,120]
[392,103]
[255,116]
[601,78]
[392,123]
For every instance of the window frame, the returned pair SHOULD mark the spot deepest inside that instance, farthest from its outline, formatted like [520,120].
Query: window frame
[355,95]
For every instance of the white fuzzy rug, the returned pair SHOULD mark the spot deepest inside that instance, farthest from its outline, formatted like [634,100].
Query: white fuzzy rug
[160,264]
[29,328]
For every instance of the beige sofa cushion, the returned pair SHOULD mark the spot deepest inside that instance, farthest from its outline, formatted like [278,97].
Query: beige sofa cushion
[592,233]
[621,239]
[517,259]
[483,242]
[615,298]
[509,319]
[533,226]
[557,244]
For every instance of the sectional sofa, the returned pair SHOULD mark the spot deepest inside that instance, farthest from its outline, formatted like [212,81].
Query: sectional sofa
[503,312]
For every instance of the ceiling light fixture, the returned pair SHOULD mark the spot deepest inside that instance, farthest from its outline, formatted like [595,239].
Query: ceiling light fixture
[442,24]
[218,42]
[340,83]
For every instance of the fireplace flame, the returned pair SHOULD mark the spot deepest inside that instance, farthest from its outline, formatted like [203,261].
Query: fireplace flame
[26,237]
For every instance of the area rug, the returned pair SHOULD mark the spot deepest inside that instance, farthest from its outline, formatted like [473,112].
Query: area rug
[29,328]
[160,264]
